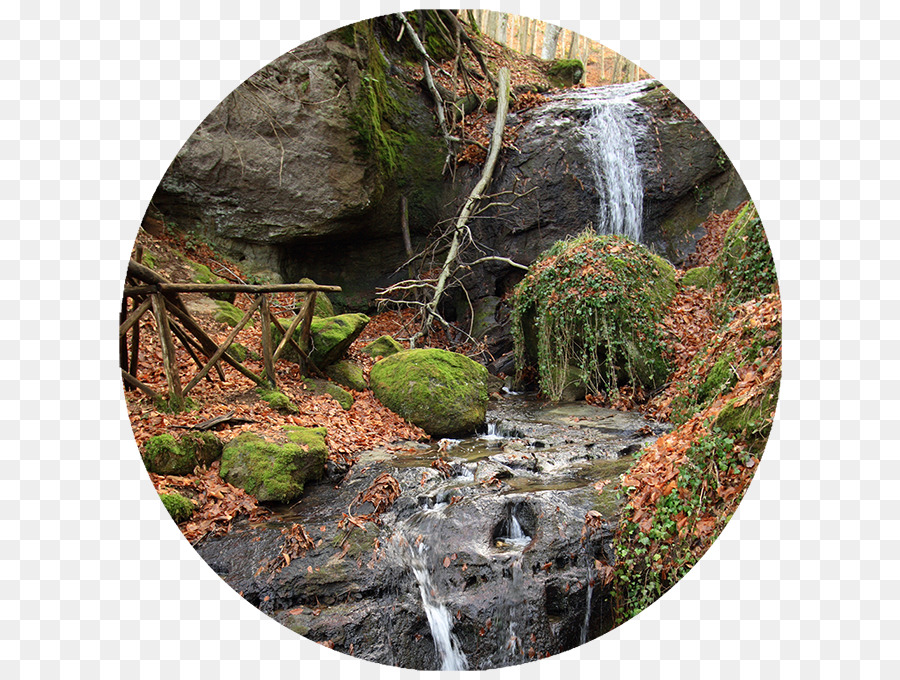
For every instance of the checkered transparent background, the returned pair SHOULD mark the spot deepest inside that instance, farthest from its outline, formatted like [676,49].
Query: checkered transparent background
[97,97]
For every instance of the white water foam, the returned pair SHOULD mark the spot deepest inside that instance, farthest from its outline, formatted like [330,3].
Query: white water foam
[609,139]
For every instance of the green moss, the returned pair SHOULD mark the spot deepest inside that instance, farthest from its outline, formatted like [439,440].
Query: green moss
[228,313]
[179,507]
[275,472]
[277,400]
[384,346]
[342,396]
[348,374]
[751,419]
[701,277]
[203,274]
[745,264]
[237,351]
[593,302]
[323,307]
[565,72]
[203,447]
[149,260]
[442,392]
[164,455]
[331,337]
[721,378]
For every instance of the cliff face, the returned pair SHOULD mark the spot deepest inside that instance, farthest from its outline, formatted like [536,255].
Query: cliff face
[300,170]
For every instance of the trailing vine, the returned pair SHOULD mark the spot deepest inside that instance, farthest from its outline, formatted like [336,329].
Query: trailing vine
[590,306]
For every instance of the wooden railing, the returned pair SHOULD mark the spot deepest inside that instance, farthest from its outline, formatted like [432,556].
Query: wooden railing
[148,291]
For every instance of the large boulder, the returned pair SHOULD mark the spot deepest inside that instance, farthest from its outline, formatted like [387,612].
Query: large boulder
[348,374]
[243,179]
[592,304]
[275,472]
[442,392]
[165,455]
[330,337]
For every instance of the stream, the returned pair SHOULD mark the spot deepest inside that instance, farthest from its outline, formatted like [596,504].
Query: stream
[478,566]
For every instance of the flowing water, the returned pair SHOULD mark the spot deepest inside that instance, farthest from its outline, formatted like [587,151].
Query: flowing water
[609,139]
[478,564]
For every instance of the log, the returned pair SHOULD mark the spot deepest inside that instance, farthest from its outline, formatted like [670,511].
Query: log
[214,422]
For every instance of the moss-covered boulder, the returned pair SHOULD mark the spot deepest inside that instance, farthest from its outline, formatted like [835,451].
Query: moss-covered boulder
[275,472]
[348,374]
[330,337]
[277,400]
[164,455]
[203,274]
[240,352]
[323,307]
[701,277]
[593,302]
[384,346]
[338,393]
[565,72]
[228,313]
[442,392]
[179,507]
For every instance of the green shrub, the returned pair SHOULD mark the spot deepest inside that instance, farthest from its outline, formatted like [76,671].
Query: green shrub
[593,302]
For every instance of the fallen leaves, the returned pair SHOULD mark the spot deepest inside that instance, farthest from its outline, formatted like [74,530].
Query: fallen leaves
[218,502]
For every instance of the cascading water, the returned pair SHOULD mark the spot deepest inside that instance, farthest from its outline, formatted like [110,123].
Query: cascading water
[609,139]
[586,624]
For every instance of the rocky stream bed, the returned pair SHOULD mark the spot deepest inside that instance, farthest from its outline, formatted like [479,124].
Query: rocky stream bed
[485,564]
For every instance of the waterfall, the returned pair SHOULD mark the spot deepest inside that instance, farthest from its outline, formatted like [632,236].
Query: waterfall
[439,620]
[609,139]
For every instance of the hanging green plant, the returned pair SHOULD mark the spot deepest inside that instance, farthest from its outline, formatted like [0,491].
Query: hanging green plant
[587,310]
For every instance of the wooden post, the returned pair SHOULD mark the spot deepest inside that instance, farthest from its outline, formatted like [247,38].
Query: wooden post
[170,364]
[123,342]
[287,334]
[307,324]
[266,335]
[136,333]
[134,382]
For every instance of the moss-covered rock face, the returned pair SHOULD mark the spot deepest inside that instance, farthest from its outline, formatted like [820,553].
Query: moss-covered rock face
[348,374]
[565,72]
[593,302]
[164,455]
[330,337]
[751,418]
[179,507]
[323,307]
[442,392]
[275,472]
[384,346]
[701,277]
[228,313]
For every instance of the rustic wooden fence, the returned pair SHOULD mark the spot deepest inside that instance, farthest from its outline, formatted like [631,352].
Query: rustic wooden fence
[148,291]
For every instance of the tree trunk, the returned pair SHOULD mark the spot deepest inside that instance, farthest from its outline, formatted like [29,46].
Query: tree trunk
[532,33]
[502,27]
[551,39]
[524,25]
[573,45]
